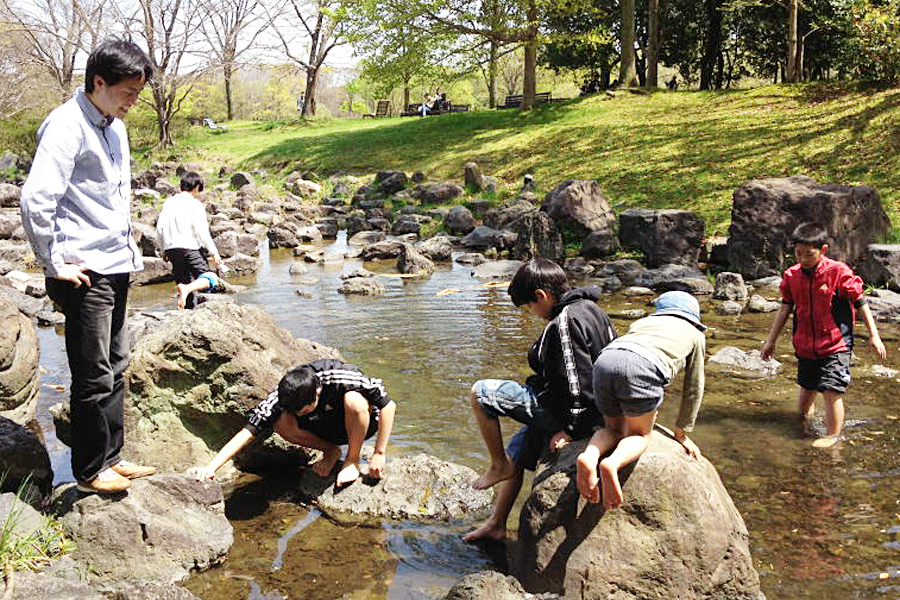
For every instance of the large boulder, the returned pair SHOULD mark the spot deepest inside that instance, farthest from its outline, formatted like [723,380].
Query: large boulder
[599,244]
[381,250]
[483,237]
[664,236]
[9,222]
[147,239]
[669,278]
[411,262]
[500,218]
[744,363]
[193,378]
[497,269]
[43,586]
[23,456]
[438,248]
[881,266]
[162,529]
[459,220]
[440,192]
[677,535]
[365,238]
[283,235]
[20,379]
[390,182]
[490,585]
[9,195]
[477,181]
[731,286]
[579,207]
[765,213]
[156,270]
[362,286]
[405,224]
[241,264]
[230,243]
[419,487]
[304,188]
[537,235]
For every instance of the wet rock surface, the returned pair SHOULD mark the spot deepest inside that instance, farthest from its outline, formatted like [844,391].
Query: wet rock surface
[158,531]
[491,585]
[362,286]
[497,269]
[741,362]
[580,551]
[419,487]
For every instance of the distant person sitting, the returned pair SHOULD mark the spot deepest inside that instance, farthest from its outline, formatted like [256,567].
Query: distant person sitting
[183,229]
[320,405]
[672,84]
[426,105]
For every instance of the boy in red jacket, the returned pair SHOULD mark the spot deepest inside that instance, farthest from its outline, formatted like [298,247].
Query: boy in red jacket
[823,294]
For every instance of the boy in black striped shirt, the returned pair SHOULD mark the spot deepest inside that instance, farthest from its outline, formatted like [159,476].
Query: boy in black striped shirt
[320,405]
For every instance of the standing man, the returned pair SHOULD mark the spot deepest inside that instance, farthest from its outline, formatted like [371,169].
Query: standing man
[75,209]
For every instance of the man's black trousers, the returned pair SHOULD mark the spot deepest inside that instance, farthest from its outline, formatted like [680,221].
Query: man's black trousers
[98,349]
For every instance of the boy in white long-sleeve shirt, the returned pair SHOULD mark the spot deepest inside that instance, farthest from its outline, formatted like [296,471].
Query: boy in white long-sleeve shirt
[183,229]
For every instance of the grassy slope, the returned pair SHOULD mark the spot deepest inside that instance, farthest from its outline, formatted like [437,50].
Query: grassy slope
[668,150]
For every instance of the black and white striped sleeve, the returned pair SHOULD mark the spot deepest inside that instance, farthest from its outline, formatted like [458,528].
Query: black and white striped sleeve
[262,418]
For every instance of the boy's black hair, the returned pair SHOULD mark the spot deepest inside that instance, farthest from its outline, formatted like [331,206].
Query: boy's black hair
[115,60]
[191,181]
[537,274]
[810,233]
[298,388]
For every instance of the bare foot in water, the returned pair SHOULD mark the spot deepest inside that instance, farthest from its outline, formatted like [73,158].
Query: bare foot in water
[324,465]
[825,442]
[182,295]
[495,474]
[348,474]
[588,482]
[487,532]
[612,491]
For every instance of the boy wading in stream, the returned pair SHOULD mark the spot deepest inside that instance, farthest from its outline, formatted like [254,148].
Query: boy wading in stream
[822,294]
[556,404]
[183,230]
[320,405]
[629,377]
[76,211]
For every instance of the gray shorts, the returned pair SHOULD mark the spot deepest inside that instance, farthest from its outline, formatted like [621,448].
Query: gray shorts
[505,398]
[627,383]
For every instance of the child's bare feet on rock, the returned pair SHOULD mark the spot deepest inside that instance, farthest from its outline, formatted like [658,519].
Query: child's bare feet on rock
[612,491]
[348,474]
[182,295]
[495,474]
[324,465]
[588,482]
[488,531]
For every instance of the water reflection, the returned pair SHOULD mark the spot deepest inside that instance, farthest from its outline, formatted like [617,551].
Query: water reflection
[823,524]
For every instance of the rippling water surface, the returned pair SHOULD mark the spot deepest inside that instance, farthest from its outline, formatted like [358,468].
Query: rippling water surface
[824,524]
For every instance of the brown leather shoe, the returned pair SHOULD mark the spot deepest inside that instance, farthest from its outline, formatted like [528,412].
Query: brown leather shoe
[131,470]
[107,482]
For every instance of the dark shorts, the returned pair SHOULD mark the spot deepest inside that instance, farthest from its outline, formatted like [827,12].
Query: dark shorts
[627,383]
[330,425]
[829,373]
[505,398]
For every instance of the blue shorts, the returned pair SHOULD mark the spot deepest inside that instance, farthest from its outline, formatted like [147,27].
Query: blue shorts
[505,398]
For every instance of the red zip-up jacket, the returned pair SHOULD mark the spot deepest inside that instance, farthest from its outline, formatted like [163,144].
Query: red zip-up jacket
[824,302]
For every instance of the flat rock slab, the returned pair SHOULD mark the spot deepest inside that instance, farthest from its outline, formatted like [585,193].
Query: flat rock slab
[158,531]
[41,586]
[749,363]
[497,269]
[419,487]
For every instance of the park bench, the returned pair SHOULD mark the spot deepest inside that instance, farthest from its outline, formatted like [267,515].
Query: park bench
[213,126]
[516,100]
[382,109]
[459,108]
[414,110]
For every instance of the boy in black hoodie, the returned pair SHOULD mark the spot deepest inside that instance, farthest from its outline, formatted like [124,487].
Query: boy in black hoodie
[556,404]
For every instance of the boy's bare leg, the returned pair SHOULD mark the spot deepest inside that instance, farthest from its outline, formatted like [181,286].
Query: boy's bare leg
[356,421]
[806,408]
[186,289]
[286,426]
[601,442]
[628,450]
[495,527]
[834,413]
[502,467]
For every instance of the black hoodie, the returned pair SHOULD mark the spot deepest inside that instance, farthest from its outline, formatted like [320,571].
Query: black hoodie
[563,359]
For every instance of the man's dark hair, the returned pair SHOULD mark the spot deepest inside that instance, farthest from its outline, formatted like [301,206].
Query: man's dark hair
[810,233]
[115,60]
[537,274]
[190,181]
[298,388]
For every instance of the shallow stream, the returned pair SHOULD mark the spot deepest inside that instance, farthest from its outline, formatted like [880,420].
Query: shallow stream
[824,524]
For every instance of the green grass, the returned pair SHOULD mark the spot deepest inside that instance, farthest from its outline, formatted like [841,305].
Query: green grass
[665,150]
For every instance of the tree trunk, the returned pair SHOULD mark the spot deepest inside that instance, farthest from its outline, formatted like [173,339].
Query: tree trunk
[405,94]
[627,71]
[226,71]
[492,73]
[653,43]
[529,78]
[309,101]
[792,71]
[712,47]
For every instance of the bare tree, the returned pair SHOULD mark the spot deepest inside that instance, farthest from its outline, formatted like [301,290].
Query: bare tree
[323,25]
[57,31]
[170,31]
[13,74]
[231,28]
[627,69]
